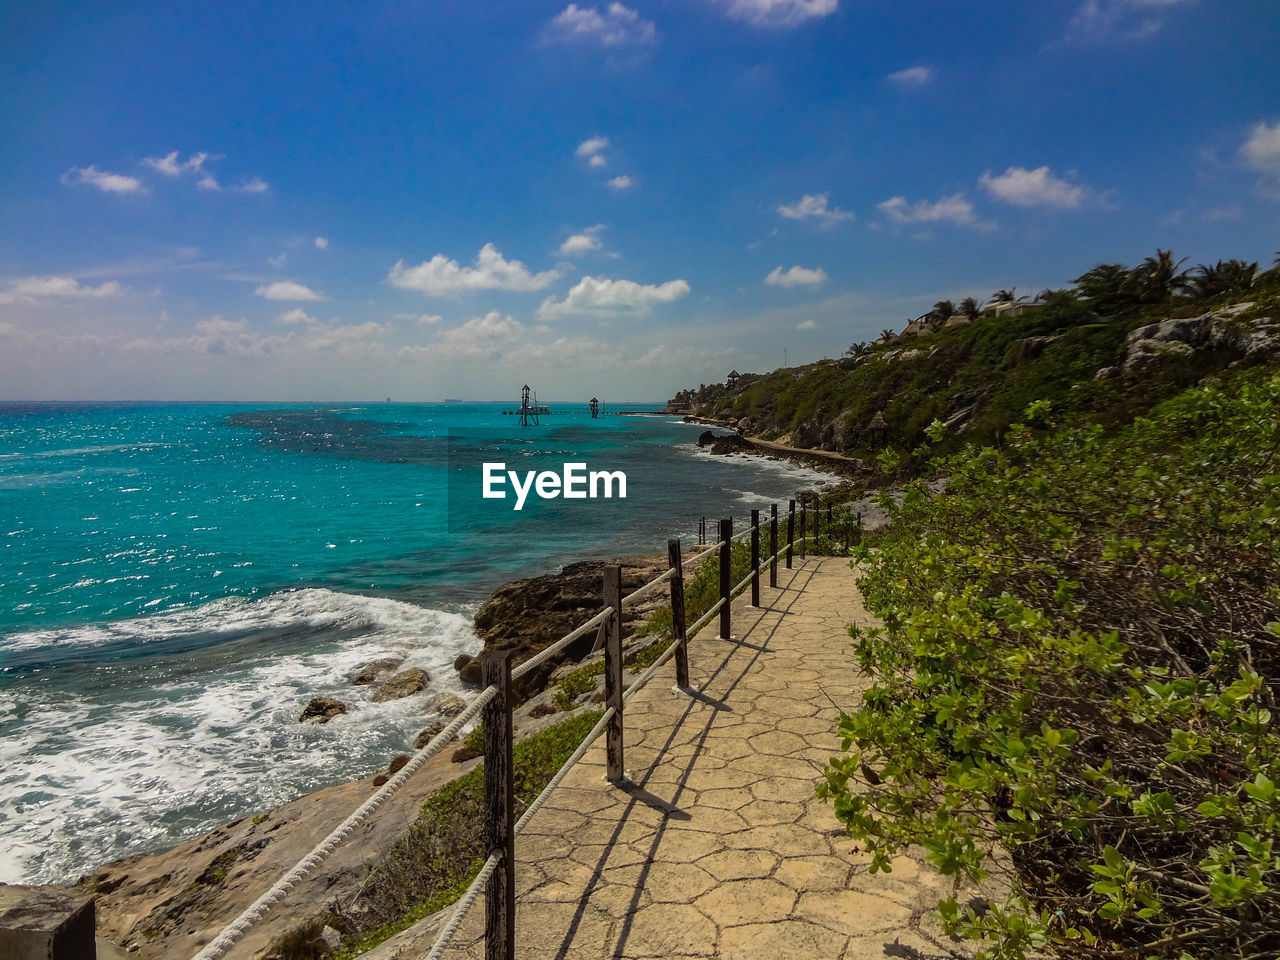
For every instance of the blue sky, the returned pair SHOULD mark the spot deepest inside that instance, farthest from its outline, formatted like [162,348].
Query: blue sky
[419,200]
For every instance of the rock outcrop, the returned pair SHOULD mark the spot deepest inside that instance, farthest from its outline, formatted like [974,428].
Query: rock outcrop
[375,671]
[528,615]
[404,684]
[1181,336]
[321,710]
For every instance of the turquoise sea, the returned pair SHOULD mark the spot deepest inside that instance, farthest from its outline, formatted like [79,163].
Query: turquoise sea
[177,581]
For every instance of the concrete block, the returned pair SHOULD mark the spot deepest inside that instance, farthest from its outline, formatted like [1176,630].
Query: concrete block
[46,923]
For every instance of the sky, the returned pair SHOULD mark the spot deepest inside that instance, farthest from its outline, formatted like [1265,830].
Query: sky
[355,201]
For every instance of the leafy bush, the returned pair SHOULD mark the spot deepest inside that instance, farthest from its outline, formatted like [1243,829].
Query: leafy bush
[1079,665]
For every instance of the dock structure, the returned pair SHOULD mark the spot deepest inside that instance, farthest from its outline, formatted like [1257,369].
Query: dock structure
[530,409]
[595,408]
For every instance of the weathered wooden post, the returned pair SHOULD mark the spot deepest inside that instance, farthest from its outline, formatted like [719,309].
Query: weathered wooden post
[791,531]
[676,563]
[755,558]
[500,809]
[613,671]
[773,545]
[726,562]
[804,511]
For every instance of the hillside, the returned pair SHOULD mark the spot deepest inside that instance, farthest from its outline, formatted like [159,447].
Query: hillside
[1116,343]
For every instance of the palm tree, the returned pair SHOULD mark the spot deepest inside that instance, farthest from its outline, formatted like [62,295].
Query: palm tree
[1157,278]
[970,307]
[1223,278]
[1105,287]
[942,311]
[887,334]
[1003,296]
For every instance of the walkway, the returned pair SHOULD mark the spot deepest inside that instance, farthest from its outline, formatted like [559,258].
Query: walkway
[718,847]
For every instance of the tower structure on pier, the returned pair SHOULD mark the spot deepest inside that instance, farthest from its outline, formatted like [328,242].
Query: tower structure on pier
[528,407]
[595,408]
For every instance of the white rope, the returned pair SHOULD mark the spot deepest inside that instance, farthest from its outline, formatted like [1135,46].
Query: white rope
[464,904]
[703,620]
[233,931]
[469,898]
[705,553]
[742,583]
[649,674]
[577,755]
[560,644]
[655,582]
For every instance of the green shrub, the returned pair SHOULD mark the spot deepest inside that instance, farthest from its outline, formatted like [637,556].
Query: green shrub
[1079,666]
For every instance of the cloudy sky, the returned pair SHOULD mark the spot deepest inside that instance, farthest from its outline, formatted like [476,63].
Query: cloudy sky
[426,199]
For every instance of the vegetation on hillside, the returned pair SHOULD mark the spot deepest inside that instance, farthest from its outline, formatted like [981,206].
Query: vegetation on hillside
[1076,683]
[978,376]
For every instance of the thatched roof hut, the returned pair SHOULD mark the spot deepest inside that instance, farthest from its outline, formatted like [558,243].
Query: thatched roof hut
[878,422]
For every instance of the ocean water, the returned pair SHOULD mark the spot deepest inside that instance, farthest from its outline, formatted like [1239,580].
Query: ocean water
[177,581]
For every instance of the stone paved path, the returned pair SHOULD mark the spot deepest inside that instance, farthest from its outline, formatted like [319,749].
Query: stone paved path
[717,847]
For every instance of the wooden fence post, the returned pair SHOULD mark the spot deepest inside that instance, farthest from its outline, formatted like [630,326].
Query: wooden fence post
[500,809]
[773,545]
[676,563]
[755,558]
[726,584]
[817,516]
[804,512]
[791,531]
[613,671]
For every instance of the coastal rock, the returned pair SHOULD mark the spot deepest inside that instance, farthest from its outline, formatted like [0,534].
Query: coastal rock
[468,668]
[706,438]
[331,938]
[375,671]
[445,704]
[529,615]
[733,443]
[403,684]
[321,710]
[1143,352]
[427,735]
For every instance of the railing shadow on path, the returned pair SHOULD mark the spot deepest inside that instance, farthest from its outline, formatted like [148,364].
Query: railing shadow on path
[672,806]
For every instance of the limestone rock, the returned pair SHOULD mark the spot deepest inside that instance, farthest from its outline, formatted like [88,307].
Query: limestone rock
[403,684]
[375,671]
[445,704]
[332,939]
[1028,349]
[321,710]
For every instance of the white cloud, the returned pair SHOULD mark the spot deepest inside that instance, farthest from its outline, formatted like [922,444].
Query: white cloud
[441,276]
[287,290]
[1130,19]
[33,289]
[795,277]
[256,185]
[584,242]
[1032,188]
[1261,151]
[780,13]
[813,206]
[170,166]
[954,209]
[1228,211]
[107,182]
[591,147]
[622,182]
[598,161]
[807,325]
[911,77]
[322,243]
[429,319]
[297,315]
[484,338]
[602,297]
[617,26]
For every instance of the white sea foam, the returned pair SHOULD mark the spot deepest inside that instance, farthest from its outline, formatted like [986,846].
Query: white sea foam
[84,779]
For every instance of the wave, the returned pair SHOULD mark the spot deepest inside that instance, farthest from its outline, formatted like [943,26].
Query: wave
[105,760]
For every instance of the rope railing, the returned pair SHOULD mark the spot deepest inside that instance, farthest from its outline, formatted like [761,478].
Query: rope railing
[610,617]
[233,931]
